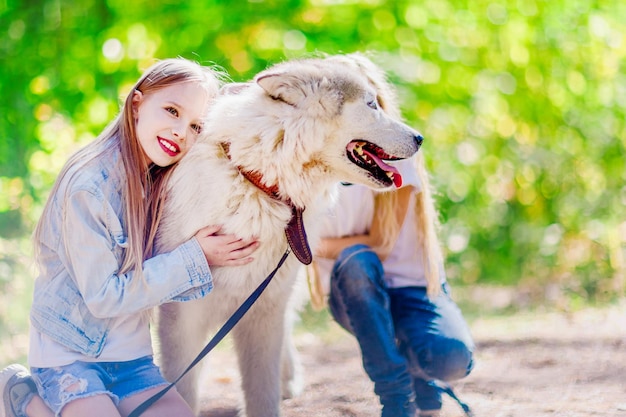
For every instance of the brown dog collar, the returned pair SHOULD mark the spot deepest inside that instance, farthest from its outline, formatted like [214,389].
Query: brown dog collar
[295,233]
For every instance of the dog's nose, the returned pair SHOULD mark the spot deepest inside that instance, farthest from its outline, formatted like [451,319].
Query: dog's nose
[418,140]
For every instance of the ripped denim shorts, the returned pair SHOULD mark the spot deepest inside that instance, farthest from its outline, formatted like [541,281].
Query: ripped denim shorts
[119,380]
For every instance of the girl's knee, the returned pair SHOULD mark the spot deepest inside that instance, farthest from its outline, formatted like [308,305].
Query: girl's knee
[454,362]
[359,255]
[357,278]
[446,360]
[356,263]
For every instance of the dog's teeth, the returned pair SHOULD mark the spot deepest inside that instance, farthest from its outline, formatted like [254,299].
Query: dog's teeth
[368,160]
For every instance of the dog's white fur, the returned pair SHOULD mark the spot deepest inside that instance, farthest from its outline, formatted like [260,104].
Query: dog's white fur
[292,125]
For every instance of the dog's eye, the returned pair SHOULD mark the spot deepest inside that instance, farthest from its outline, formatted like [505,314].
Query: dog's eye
[372,104]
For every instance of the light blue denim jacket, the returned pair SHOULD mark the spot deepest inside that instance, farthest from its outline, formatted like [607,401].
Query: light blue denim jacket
[80,292]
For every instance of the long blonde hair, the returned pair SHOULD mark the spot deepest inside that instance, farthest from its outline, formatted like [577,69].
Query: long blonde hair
[142,190]
[426,226]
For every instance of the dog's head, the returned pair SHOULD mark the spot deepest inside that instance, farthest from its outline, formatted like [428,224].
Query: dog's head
[304,125]
[350,110]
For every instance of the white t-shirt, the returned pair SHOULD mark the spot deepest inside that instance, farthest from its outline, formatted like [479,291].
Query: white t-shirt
[352,215]
[130,336]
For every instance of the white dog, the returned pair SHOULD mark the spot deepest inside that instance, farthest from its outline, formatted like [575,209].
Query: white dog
[276,147]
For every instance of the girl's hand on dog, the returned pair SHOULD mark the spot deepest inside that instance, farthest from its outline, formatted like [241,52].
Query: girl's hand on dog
[225,250]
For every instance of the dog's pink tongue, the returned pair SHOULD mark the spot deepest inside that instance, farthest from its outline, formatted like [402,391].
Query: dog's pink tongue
[397,178]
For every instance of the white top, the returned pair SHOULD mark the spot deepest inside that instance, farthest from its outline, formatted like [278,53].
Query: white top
[352,215]
[130,335]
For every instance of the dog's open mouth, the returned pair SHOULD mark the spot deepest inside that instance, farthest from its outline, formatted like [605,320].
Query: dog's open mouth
[370,157]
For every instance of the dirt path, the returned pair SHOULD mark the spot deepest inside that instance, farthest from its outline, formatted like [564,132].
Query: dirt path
[539,365]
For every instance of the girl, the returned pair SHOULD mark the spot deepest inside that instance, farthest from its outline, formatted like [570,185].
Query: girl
[90,347]
[381,265]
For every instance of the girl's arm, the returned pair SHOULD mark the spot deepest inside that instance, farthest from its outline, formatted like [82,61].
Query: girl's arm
[92,243]
[332,247]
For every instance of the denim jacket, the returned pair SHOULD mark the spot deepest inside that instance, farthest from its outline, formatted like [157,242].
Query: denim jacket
[79,292]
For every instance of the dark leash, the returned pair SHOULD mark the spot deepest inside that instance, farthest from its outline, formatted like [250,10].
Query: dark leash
[227,327]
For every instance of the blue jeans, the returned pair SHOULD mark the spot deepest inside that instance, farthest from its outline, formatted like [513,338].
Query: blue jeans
[407,340]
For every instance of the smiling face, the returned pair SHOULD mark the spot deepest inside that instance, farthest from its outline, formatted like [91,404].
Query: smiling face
[169,120]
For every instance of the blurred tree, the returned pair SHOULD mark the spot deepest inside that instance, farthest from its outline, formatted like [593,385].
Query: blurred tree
[522,104]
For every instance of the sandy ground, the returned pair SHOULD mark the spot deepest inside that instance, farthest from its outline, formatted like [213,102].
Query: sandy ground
[527,365]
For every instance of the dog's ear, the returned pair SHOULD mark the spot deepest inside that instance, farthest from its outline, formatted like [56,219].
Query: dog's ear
[281,86]
[233,88]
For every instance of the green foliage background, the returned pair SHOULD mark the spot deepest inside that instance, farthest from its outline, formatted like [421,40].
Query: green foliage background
[522,104]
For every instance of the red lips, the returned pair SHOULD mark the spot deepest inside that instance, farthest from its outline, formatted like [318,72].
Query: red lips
[168,146]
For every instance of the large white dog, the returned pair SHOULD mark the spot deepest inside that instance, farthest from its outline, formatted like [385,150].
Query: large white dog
[274,150]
